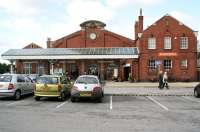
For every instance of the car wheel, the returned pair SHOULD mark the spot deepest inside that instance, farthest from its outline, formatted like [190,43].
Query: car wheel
[37,98]
[99,100]
[102,94]
[196,94]
[17,95]
[73,99]
[62,96]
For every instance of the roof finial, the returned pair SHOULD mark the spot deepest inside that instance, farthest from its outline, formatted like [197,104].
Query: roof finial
[140,11]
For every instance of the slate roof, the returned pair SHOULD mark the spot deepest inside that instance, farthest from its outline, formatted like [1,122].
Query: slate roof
[72,51]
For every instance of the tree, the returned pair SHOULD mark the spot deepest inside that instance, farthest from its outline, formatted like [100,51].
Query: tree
[4,68]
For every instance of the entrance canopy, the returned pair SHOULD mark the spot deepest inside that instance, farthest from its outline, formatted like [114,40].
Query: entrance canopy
[71,53]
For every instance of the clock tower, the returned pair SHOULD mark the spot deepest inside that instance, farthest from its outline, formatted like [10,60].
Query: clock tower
[93,33]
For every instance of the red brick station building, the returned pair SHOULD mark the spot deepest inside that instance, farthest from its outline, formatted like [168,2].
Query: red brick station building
[166,45]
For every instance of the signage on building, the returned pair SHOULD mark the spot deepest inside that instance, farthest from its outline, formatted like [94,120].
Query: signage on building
[168,54]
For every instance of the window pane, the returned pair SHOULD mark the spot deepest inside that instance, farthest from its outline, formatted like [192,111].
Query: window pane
[167,64]
[47,80]
[27,68]
[152,64]
[5,78]
[183,43]
[87,80]
[167,43]
[151,43]
[184,63]
[40,69]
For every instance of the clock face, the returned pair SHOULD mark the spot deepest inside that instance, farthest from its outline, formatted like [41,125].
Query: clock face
[93,36]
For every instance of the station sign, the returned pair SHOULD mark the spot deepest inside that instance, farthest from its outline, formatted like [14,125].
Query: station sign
[167,54]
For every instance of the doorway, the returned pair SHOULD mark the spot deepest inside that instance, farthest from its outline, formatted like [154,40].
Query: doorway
[126,73]
[74,71]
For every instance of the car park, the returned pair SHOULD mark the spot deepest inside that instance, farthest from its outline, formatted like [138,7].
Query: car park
[52,86]
[87,86]
[197,91]
[15,85]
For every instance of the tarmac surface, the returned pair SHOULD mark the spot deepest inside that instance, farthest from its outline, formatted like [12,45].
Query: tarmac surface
[114,114]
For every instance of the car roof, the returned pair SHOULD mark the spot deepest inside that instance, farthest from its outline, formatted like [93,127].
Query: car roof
[12,74]
[88,76]
[50,76]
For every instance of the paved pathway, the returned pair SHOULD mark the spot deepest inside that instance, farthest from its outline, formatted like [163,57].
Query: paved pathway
[148,89]
[150,84]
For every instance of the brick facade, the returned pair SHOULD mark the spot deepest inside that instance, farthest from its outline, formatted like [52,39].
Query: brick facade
[168,26]
[140,69]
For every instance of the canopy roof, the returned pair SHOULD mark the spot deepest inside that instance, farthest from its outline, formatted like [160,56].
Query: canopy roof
[72,53]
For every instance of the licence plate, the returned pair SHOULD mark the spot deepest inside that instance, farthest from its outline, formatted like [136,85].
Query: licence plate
[85,94]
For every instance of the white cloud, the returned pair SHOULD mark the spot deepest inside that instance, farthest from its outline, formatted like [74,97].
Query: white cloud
[79,10]
[123,3]
[19,7]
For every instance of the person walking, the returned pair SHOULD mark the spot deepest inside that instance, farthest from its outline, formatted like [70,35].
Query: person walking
[160,79]
[165,78]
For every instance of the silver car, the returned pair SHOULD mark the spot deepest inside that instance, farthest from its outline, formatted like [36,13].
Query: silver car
[15,85]
[87,86]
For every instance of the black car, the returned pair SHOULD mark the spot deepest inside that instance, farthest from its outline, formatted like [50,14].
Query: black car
[197,91]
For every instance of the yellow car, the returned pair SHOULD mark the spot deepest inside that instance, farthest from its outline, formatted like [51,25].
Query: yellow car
[52,86]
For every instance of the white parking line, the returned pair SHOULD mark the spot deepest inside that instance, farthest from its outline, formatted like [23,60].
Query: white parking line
[111,103]
[187,98]
[60,105]
[161,105]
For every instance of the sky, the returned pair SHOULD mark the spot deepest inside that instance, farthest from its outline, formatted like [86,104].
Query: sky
[25,21]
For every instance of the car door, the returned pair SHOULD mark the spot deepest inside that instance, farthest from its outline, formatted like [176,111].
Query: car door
[29,86]
[21,84]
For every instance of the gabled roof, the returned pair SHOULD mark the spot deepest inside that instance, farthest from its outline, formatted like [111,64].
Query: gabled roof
[169,16]
[32,46]
[123,38]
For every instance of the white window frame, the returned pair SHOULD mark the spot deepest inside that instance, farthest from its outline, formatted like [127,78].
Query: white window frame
[183,42]
[167,64]
[152,64]
[40,68]
[152,43]
[27,68]
[167,43]
[184,63]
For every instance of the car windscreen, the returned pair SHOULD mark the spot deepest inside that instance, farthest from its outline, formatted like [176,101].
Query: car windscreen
[5,78]
[87,80]
[47,80]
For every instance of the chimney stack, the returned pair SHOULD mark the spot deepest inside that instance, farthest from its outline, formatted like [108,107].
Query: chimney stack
[139,25]
[49,42]
[140,21]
